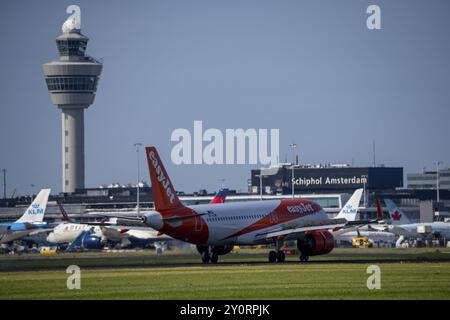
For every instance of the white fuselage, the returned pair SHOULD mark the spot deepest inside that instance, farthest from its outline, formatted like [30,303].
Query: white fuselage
[68,232]
[244,223]
[373,236]
[411,230]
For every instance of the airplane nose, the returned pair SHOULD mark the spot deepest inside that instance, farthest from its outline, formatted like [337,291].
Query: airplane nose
[51,237]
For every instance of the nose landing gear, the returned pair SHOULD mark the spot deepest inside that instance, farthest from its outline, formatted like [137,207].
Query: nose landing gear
[209,254]
[205,256]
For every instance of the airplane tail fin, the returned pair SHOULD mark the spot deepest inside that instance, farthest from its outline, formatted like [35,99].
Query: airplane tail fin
[350,209]
[63,212]
[164,195]
[36,211]
[220,196]
[397,216]
[379,211]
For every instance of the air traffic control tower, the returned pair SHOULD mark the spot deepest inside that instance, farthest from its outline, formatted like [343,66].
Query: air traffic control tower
[72,83]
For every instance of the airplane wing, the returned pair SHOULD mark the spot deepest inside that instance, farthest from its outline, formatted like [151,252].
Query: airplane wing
[338,226]
[139,222]
[37,231]
[16,235]
[297,231]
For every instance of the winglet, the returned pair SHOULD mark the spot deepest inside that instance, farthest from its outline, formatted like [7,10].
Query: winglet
[164,195]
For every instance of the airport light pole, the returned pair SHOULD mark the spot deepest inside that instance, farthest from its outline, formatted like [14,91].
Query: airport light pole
[293,146]
[32,193]
[137,145]
[4,183]
[437,180]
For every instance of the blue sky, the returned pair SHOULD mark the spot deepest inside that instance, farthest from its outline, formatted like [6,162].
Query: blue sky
[310,68]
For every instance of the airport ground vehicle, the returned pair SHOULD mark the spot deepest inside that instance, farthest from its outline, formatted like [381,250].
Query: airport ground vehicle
[361,242]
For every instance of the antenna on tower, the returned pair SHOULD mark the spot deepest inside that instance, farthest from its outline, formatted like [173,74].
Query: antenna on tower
[373,149]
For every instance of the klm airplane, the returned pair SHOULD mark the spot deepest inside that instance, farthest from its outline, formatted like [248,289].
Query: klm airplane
[30,222]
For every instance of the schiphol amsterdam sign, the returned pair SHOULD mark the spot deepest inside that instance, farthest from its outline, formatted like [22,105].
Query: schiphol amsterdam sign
[330,181]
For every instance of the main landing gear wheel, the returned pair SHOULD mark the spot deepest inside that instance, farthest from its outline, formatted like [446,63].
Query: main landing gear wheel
[280,256]
[205,256]
[214,258]
[272,256]
[304,258]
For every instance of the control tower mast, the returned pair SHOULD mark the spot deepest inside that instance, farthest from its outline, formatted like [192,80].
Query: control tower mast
[72,83]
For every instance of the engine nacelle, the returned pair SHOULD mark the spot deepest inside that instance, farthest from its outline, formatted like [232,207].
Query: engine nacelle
[154,220]
[316,243]
[91,242]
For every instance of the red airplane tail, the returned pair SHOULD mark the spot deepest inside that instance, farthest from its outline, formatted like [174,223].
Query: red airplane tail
[379,211]
[63,211]
[164,195]
[220,196]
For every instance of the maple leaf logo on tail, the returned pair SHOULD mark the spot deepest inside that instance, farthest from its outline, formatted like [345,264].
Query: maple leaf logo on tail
[396,215]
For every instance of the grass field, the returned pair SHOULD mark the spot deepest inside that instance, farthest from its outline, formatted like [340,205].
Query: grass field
[336,280]
[149,258]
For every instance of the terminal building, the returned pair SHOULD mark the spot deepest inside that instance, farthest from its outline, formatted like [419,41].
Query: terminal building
[428,180]
[325,179]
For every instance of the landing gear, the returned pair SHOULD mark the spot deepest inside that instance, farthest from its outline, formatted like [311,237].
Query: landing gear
[304,258]
[214,257]
[281,256]
[208,254]
[277,255]
[205,256]
[272,256]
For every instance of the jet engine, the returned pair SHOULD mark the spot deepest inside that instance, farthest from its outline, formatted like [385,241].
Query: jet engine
[316,243]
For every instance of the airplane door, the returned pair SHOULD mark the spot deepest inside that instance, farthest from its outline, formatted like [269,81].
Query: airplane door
[198,224]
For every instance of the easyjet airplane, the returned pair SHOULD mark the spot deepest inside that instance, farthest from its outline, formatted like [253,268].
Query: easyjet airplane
[216,228]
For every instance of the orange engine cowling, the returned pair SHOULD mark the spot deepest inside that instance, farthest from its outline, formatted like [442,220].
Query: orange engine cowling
[316,243]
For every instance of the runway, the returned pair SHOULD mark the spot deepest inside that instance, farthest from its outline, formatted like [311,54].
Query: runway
[118,263]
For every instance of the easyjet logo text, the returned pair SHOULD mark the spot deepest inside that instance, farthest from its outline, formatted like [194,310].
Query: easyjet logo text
[302,209]
[162,178]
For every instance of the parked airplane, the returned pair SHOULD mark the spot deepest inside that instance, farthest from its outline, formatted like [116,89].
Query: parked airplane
[216,228]
[29,222]
[403,227]
[68,231]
